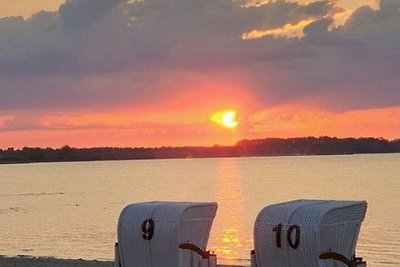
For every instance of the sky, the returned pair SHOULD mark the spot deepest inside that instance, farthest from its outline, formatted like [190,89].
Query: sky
[95,73]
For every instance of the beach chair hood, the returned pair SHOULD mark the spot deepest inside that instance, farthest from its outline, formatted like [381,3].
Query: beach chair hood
[297,233]
[149,234]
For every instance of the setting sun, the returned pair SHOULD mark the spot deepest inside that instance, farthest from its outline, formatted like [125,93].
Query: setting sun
[226,118]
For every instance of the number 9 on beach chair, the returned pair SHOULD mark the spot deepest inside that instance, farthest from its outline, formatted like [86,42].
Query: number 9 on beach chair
[308,233]
[165,234]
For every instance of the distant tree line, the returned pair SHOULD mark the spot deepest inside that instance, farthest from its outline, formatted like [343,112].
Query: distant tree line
[244,148]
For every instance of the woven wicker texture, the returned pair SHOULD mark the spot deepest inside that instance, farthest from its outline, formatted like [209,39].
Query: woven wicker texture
[149,234]
[295,234]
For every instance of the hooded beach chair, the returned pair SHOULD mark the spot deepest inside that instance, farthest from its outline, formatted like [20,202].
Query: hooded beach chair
[308,233]
[165,234]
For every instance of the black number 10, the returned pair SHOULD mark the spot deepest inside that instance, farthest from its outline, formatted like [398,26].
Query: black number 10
[293,244]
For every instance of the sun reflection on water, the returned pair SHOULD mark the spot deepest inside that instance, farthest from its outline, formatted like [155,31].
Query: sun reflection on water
[230,239]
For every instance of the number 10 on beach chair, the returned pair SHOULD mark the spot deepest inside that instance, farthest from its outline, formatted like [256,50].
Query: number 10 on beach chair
[308,233]
[165,234]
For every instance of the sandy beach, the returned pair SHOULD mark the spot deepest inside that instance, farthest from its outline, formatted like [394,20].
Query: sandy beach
[26,261]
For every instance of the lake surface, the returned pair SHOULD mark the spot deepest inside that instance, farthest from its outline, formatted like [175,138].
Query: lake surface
[70,210]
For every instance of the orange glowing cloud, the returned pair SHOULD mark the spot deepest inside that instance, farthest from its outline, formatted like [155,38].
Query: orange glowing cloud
[27,8]
[292,121]
[340,13]
[183,120]
[4,120]
[193,127]
[287,31]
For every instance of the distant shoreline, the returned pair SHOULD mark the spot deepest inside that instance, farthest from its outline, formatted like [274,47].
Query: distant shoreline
[27,261]
[304,146]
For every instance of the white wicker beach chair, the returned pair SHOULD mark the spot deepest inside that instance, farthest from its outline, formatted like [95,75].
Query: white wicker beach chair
[165,234]
[308,233]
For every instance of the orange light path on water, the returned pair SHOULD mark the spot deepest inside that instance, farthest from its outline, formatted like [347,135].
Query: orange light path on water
[231,240]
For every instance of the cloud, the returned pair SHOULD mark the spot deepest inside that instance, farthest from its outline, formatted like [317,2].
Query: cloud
[292,121]
[95,36]
[376,28]
[317,8]
[77,14]
[132,128]
[5,120]
[112,53]
[287,31]
[317,27]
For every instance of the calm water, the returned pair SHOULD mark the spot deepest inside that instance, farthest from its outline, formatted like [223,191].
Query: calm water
[70,210]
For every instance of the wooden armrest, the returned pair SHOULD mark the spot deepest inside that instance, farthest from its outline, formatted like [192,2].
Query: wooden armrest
[339,257]
[195,249]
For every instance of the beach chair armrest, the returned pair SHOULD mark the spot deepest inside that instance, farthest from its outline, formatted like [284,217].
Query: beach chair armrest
[356,262]
[203,254]
[193,256]
[117,261]
[253,258]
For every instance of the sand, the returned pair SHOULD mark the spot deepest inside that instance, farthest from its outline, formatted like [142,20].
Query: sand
[26,261]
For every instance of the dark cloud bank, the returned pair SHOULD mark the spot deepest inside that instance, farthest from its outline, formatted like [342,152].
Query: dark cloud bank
[94,53]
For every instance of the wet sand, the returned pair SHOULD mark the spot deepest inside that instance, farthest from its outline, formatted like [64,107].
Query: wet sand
[26,261]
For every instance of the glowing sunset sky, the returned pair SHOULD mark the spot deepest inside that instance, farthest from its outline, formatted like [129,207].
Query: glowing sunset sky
[155,72]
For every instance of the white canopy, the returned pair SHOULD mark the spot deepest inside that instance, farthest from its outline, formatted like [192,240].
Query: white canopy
[149,234]
[296,233]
